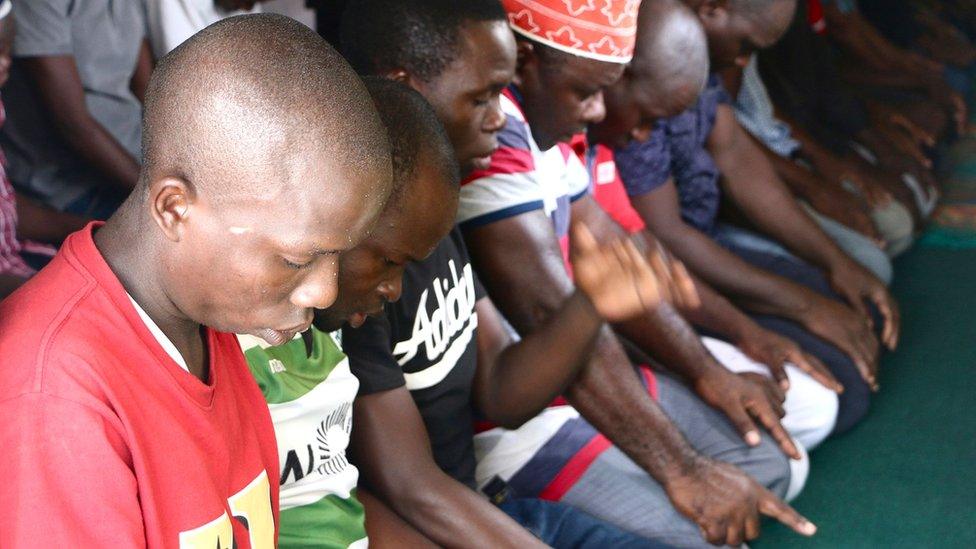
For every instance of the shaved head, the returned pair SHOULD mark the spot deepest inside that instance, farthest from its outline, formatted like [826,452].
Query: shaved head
[243,90]
[668,71]
[671,55]
[265,161]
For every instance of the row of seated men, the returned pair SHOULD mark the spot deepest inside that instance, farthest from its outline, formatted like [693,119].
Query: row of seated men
[504,273]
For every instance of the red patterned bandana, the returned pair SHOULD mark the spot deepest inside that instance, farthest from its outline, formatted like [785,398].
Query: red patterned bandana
[597,29]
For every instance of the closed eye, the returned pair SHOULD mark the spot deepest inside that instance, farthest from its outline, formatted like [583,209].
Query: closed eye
[297,266]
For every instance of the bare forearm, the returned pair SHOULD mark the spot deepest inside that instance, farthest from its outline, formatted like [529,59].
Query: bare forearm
[529,374]
[610,396]
[452,515]
[61,93]
[754,187]
[717,314]
[37,222]
[801,182]
[753,288]
[97,146]
[665,335]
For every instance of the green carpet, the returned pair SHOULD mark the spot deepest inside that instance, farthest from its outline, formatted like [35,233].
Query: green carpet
[906,477]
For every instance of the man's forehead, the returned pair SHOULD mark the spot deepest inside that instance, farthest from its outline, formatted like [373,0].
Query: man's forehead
[293,225]
[487,49]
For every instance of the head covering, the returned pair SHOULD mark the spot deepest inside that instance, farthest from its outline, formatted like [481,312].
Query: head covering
[597,29]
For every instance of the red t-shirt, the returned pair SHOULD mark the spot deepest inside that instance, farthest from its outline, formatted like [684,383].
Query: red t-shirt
[605,184]
[107,442]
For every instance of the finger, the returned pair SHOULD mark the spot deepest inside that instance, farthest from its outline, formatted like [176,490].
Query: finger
[714,533]
[648,287]
[583,240]
[881,302]
[856,301]
[763,411]
[862,367]
[817,370]
[772,506]
[896,319]
[744,424]
[735,534]
[752,527]
[659,264]
[686,285]
[778,371]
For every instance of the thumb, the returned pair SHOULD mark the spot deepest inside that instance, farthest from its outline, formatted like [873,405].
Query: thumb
[744,424]
[582,241]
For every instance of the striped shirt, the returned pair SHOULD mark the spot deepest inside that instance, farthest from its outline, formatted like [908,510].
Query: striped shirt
[310,396]
[523,178]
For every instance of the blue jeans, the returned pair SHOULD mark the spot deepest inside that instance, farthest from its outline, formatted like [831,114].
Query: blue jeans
[564,527]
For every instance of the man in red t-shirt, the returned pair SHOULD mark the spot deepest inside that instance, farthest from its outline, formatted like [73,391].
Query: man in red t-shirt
[128,415]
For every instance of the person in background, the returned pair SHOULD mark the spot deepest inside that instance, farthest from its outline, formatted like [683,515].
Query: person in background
[74,103]
[122,349]
[856,211]
[170,22]
[20,217]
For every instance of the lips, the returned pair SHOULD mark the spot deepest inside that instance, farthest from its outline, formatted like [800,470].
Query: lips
[280,337]
[357,319]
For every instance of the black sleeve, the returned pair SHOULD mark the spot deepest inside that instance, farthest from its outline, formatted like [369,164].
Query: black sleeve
[479,289]
[370,352]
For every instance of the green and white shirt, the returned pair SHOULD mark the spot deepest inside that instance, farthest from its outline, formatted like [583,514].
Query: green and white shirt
[310,397]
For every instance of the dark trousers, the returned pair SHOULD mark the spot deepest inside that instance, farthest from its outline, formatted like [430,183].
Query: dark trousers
[565,527]
[856,398]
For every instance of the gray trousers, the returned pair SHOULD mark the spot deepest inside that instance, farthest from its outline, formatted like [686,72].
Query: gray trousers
[617,490]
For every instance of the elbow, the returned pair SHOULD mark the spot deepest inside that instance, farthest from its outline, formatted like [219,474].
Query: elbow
[507,415]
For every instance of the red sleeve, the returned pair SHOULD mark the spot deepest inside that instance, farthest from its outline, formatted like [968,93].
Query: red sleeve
[67,479]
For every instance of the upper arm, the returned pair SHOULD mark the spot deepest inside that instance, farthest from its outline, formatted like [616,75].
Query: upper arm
[87,497]
[660,209]
[521,265]
[493,338]
[725,138]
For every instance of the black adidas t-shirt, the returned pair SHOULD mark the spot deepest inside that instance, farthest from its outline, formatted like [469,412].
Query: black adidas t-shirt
[427,342]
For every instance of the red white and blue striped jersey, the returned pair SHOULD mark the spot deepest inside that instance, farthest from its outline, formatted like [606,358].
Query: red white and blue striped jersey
[522,178]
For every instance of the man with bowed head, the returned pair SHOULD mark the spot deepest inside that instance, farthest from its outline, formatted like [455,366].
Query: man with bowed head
[244,203]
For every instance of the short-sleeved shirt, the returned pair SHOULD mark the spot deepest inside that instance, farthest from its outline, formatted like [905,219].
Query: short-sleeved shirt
[426,342]
[755,113]
[606,186]
[677,149]
[310,395]
[523,178]
[171,22]
[107,440]
[103,37]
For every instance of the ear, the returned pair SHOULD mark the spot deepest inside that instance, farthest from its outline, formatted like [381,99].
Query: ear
[527,61]
[404,77]
[708,9]
[170,200]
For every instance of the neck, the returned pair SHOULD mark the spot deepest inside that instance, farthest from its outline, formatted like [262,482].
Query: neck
[136,264]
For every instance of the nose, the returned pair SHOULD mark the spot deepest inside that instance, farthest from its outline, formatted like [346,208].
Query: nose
[318,290]
[742,61]
[595,109]
[495,118]
[391,289]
